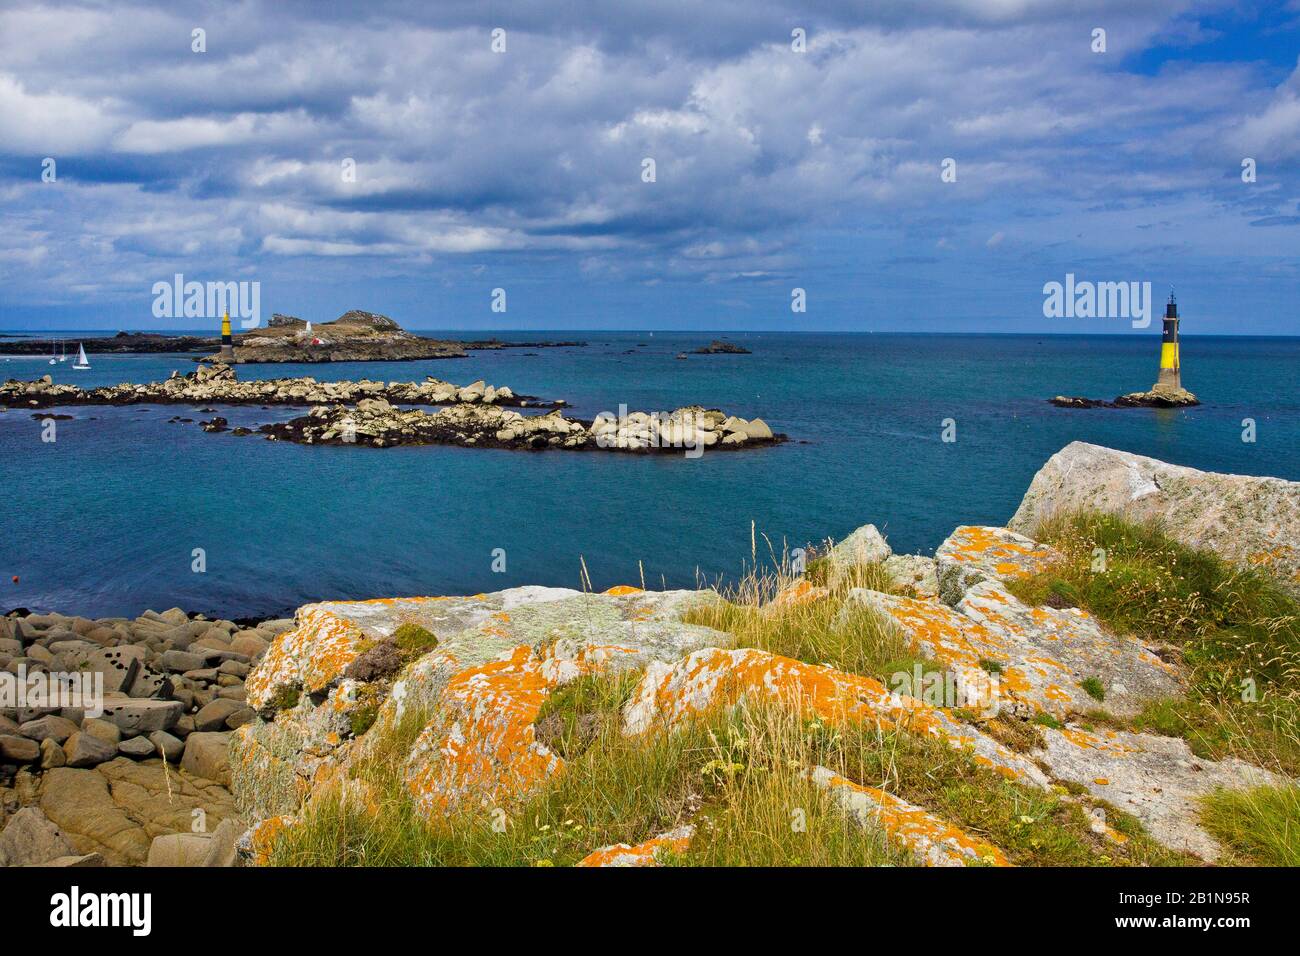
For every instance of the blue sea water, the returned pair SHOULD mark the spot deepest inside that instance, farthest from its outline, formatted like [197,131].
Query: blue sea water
[105,520]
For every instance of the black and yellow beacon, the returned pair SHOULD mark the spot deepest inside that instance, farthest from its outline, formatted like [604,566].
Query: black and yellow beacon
[227,353]
[1170,374]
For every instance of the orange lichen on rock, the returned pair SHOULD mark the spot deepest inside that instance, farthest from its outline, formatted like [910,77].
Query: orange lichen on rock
[619,590]
[933,841]
[800,592]
[257,845]
[482,746]
[642,854]
[1043,655]
[972,554]
[312,656]
[671,693]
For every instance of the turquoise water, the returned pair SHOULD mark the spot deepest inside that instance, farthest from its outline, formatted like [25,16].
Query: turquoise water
[104,520]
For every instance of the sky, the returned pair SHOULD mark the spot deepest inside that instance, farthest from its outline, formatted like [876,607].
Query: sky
[911,165]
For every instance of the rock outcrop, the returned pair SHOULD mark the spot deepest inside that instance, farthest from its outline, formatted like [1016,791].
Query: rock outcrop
[498,657]
[1159,396]
[378,424]
[1248,520]
[219,384]
[719,347]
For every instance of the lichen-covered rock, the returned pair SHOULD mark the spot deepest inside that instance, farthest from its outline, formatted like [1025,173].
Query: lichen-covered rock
[866,545]
[330,636]
[1157,779]
[931,840]
[481,747]
[796,593]
[972,554]
[914,574]
[677,840]
[1004,653]
[497,658]
[255,846]
[669,694]
[1248,520]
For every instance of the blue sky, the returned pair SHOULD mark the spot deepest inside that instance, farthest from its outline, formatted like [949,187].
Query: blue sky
[774,169]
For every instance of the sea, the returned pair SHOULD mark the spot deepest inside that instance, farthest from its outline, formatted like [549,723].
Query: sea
[125,511]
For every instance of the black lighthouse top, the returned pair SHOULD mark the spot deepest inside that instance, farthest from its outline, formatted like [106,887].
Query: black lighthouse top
[1171,310]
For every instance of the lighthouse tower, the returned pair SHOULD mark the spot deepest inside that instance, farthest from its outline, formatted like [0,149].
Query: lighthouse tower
[1170,374]
[227,353]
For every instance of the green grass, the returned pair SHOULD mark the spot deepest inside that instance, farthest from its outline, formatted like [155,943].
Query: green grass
[732,773]
[844,634]
[413,640]
[1259,826]
[1032,827]
[1236,631]
[736,774]
[1094,688]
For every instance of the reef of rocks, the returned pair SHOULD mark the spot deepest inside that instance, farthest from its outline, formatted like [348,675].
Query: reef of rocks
[719,347]
[219,383]
[1160,396]
[379,424]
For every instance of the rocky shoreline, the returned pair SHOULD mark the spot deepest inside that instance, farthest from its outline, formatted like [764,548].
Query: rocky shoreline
[145,781]
[216,739]
[220,384]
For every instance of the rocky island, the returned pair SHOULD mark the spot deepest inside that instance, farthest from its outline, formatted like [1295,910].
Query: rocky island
[219,383]
[364,727]
[1158,396]
[355,336]
[719,347]
[378,424]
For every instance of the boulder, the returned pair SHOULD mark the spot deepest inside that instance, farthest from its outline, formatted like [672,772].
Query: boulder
[137,747]
[52,754]
[166,746]
[50,726]
[972,554]
[207,755]
[85,750]
[866,545]
[103,729]
[19,750]
[178,662]
[250,644]
[213,716]
[143,716]
[29,838]
[119,666]
[1250,521]
[221,848]
[79,802]
[179,849]
[1157,779]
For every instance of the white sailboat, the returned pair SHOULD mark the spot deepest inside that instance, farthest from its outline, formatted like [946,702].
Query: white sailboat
[82,362]
[63,351]
[54,355]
